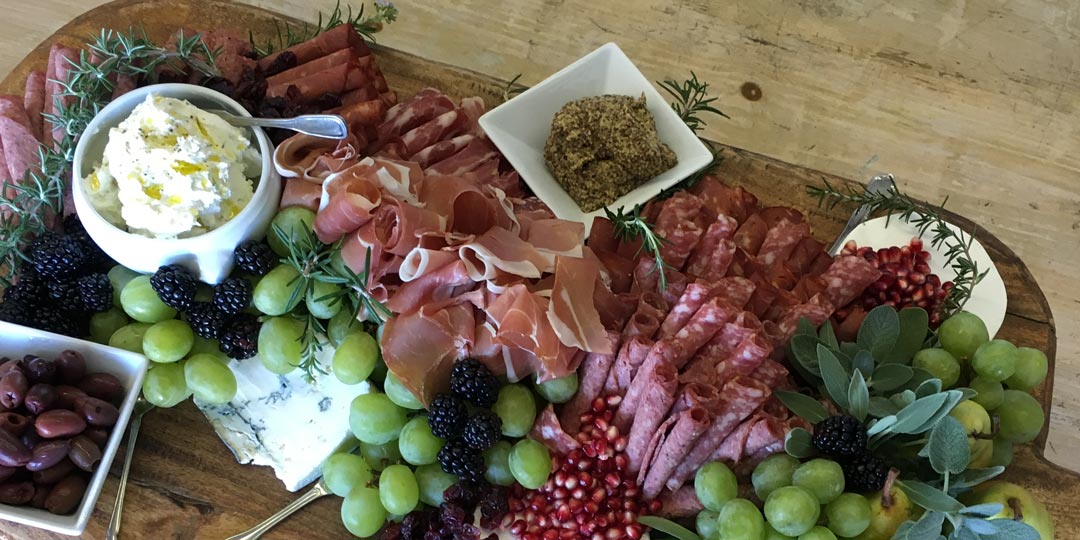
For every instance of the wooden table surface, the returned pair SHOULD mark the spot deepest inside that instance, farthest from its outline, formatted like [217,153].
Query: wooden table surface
[977,101]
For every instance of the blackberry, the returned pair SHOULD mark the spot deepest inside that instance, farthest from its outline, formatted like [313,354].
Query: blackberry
[42,317]
[447,416]
[96,259]
[64,292]
[175,286]
[840,436]
[28,289]
[206,320]
[864,473]
[473,381]
[494,504]
[57,256]
[482,431]
[255,257]
[458,459]
[232,295]
[239,339]
[95,292]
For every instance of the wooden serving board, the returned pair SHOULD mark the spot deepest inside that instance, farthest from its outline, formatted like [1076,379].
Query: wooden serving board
[184,482]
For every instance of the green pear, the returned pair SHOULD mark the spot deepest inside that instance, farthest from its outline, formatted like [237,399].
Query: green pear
[976,421]
[1017,503]
[886,516]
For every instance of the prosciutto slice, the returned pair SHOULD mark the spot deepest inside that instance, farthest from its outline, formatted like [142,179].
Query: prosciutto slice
[471,157]
[421,348]
[397,224]
[502,250]
[313,159]
[407,115]
[433,286]
[350,205]
[571,313]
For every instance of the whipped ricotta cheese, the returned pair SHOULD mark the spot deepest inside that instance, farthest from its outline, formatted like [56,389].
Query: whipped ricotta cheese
[172,170]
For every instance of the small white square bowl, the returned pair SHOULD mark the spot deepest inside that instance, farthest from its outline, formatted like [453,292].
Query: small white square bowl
[520,128]
[17,341]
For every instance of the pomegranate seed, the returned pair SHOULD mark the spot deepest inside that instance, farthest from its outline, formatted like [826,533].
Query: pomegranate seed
[562,513]
[654,506]
[620,444]
[613,400]
[586,418]
[560,493]
[593,507]
[631,491]
[598,495]
[575,505]
[590,450]
[518,527]
[602,424]
[551,534]
[568,534]
[597,536]
[542,521]
[634,531]
[598,404]
[612,480]
[613,534]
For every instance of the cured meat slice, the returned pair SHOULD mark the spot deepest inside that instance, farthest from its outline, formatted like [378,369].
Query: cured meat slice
[678,223]
[734,445]
[340,37]
[12,107]
[734,290]
[397,224]
[809,287]
[767,433]
[771,373]
[745,359]
[313,159]
[719,198]
[620,270]
[676,284]
[615,309]
[631,356]
[688,427]
[646,275]
[300,193]
[308,69]
[705,323]
[803,255]
[763,296]
[473,157]
[363,116]
[602,236]
[658,393]
[547,430]
[751,234]
[435,286]
[473,108]
[442,150]
[712,255]
[690,301]
[333,80]
[740,397]
[696,394]
[441,127]
[418,110]
[594,373]
[34,102]
[646,319]
[774,215]
[502,250]
[467,208]
[349,207]
[421,348]
[557,237]
[680,503]
[788,323]
[661,352]
[847,278]
[20,148]
[571,313]
[780,241]
[743,264]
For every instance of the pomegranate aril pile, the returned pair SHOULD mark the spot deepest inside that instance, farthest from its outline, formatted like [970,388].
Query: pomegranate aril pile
[590,495]
[906,280]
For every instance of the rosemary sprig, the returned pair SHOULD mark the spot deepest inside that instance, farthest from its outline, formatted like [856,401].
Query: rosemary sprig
[287,35]
[632,226]
[925,218]
[691,100]
[513,88]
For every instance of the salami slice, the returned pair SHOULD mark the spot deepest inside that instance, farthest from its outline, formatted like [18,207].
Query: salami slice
[751,234]
[745,359]
[715,238]
[12,107]
[780,241]
[771,373]
[602,235]
[642,324]
[721,346]
[766,433]
[743,264]
[734,290]
[34,101]
[654,446]
[681,503]
[804,254]
[657,396]
[679,224]
[547,430]
[706,322]
[763,296]
[686,430]
[847,278]
[734,444]
[773,215]
[690,301]
[808,287]
[696,395]
[631,355]
[662,352]
[20,148]
[593,374]
[646,276]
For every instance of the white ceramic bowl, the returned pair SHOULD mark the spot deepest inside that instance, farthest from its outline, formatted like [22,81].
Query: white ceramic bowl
[17,341]
[209,255]
[520,128]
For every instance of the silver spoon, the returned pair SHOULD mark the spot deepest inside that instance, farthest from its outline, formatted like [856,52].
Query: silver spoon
[879,184]
[141,407]
[318,491]
[327,126]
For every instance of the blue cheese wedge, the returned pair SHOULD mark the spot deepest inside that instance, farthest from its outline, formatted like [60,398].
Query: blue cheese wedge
[284,421]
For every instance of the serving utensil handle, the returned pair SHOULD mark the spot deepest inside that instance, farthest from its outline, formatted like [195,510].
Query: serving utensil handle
[318,491]
[878,184]
[328,126]
[141,408]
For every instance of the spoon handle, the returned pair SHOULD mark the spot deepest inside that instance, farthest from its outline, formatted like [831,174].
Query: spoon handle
[329,126]
[113,532]
[878,184]
[316,492]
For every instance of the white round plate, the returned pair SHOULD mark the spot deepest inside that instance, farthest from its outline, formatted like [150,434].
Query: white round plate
[988,298]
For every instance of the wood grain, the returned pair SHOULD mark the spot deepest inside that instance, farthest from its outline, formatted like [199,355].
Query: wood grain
[185,484]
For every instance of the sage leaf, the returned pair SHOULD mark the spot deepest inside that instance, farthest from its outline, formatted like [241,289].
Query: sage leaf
[973,477]
[948,447]
[929,497]
[835,376]
[928,527]
[914,324]
[890,377]
[911,419]
[928,387]
[799,443]
[967,393]
[881,407]
[827,336]
[864,362]
[1008,529]
[849,349]
[979,526]
[858,396]
[918,376]
[964,534]
[804,348]
[803,405]
[805,328]
[952,397]
[903,399]
[983,510]
[879,331]
[881,426]
[669,527]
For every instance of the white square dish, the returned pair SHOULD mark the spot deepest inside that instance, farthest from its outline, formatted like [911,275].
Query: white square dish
[17,341]
[520,128]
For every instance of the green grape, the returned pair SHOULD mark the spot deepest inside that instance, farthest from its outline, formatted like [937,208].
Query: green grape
[281,344]
[1002,453]
[378,375]
[168,341]
[295,222]
[324,300]
[773,472]
[995,360]
[375,419]
[497,463]
[792,510]
[818,533]
[129,337]
[1020,417]
[208,346]
[354,359]
[706,524]
[119,276]
[399,394]
[1031,369]
[165,386]
[209,379]
[279,291]
[340,326]
[990,393]
[417,444]
[824,479]
[344,472]
[398,490]
[141,303]
[433,481]
[940,364]
[381,456]
[962,334]
[740,520]
[849,514]
[773,534]
[715,485]
[559,390]
[103,325]
[516,407]
[362,512]
[530,463]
